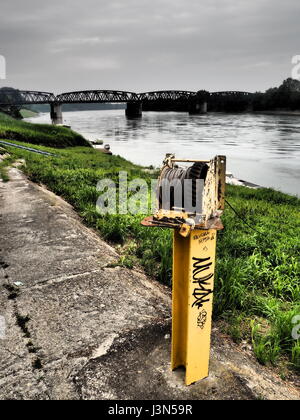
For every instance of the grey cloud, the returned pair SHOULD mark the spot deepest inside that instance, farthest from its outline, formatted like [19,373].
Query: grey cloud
[142,45]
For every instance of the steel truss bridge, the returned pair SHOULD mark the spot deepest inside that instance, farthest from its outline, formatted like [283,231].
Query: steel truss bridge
[23,97]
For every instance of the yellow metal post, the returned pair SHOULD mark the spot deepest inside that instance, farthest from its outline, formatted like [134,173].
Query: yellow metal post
[194,252]
[193,282]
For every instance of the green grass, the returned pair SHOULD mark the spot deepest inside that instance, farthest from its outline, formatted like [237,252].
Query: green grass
[5,161]
[3,170]
[39,134]
[257,286]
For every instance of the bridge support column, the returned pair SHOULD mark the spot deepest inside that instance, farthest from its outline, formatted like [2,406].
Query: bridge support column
[56,113]
[133,110]
[198,108]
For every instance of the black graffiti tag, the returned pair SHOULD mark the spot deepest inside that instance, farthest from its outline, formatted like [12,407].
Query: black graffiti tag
[201,293]
[202,318]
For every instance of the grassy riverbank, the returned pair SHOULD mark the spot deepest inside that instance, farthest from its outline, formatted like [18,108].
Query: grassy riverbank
[257,290]
[40,134]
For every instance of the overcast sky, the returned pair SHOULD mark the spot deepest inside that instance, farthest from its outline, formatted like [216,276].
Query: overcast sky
[141,45]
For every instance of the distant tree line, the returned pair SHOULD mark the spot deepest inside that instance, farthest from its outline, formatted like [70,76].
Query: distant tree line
[286,96]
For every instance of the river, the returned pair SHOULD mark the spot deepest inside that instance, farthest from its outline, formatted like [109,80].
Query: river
[260,148]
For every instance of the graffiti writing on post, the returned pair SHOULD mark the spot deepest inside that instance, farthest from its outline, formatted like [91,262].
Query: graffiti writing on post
[204,237]
[203,291]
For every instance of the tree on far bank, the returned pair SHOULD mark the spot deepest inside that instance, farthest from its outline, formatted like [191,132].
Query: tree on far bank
[286,96]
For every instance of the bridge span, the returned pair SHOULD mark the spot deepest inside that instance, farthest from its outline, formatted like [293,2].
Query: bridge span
[100,96]
[195,102]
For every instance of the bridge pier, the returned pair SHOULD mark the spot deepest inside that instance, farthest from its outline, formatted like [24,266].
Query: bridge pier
[56,113]
[197,107]
[198,102]
[133,109]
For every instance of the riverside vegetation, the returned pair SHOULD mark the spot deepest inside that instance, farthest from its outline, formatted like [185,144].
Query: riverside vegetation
[42,134]
[257,285]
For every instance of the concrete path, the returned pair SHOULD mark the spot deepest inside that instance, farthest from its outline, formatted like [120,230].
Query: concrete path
[77,326]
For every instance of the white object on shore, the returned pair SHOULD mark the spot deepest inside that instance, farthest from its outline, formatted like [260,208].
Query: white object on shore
[231,180]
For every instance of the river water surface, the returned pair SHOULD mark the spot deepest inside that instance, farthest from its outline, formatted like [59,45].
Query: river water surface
[263,149]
